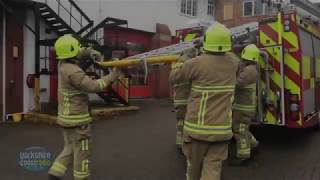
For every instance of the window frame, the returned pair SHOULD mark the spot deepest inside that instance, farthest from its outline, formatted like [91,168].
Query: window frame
[228,15]
[190,8]
[256,10]
[183,5]
[210,8]
[252,8]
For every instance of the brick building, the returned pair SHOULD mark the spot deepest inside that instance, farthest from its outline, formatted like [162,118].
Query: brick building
[237,12]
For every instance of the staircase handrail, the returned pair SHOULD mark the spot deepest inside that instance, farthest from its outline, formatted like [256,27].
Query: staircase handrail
[73,4]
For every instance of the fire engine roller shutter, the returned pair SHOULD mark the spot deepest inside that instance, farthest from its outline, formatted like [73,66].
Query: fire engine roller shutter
[269,36]
[316,42]
[308,69]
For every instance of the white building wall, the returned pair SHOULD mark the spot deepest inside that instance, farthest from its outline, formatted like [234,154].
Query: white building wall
[29,56]
[29,63]
[144,14]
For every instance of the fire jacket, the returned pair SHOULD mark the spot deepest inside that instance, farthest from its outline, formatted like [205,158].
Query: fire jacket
[73,88]
[182,90]
[244,105]
[209,110]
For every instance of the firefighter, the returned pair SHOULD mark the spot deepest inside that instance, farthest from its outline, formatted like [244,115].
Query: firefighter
[208,123]
[73,114]
[182,91]
[244,107]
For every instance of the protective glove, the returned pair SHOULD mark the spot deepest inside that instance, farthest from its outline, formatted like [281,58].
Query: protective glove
[115,74]
[188,54]
[96,56]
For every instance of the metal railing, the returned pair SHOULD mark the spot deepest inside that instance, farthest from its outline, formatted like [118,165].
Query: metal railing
[72,14]
[97,33]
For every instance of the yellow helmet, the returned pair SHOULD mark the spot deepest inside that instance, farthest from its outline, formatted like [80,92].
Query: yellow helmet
[217,39]
[66,47]
[251,53]
[189,37]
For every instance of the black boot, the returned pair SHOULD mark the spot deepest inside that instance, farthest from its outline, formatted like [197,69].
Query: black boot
[52,177]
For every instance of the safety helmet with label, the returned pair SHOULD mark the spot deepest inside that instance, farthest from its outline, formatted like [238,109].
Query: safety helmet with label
[217,38]
[66,47]
[251,53]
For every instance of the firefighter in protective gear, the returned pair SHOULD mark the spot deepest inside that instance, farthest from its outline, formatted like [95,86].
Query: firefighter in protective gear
[208,123]
[73,114]
[244,107]
[182,91]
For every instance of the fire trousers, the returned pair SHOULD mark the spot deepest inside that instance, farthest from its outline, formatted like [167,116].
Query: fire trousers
[179,135]
[76,151]
[204,159]
[245,141]
[180,115]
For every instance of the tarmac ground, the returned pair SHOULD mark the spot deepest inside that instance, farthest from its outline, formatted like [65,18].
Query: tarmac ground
[141,146]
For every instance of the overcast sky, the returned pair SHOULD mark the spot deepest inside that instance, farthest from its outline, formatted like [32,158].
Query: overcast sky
[315,0]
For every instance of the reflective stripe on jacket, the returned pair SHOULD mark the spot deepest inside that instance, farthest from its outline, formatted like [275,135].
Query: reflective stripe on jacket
[182,90]
[209,111]
[73,88]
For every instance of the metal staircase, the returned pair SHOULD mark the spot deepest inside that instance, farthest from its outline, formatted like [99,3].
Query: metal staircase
[66,17]
[60,16]
[54,21]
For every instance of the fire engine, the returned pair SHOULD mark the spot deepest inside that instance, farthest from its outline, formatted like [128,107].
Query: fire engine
[288,92]
[289,88]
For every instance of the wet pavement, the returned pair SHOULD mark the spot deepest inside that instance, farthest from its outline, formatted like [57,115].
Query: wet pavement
[140,146]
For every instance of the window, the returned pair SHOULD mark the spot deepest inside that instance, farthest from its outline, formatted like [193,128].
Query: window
[210,8]
[189,7]
[252,7]
[248,8]
[194,7]
[258,7]
[228,12]
[183,6]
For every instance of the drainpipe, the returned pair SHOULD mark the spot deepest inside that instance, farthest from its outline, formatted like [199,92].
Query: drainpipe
[37,59]
[4,64]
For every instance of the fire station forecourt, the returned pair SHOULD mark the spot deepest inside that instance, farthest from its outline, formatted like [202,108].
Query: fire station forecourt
[141,146]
